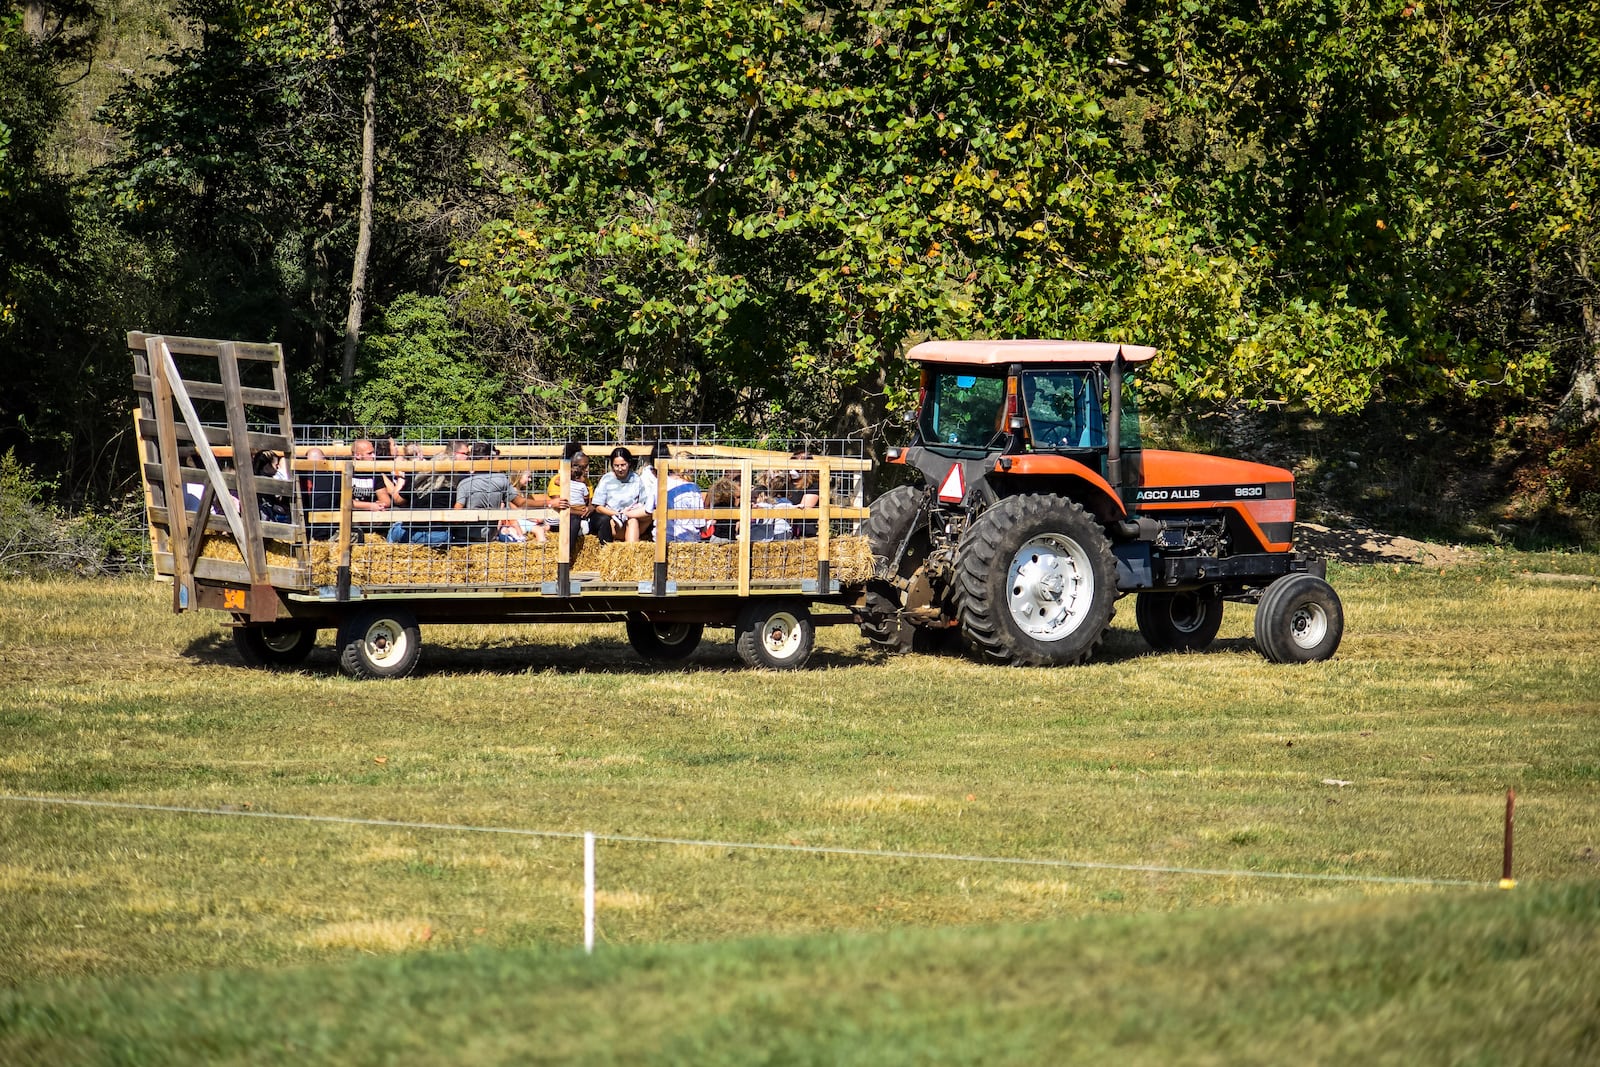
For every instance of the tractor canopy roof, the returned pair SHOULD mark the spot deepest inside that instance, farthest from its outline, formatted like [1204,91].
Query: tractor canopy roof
[1026,351]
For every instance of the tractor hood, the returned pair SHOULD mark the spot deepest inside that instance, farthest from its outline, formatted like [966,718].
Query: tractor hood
[1171,470]
[1183,482]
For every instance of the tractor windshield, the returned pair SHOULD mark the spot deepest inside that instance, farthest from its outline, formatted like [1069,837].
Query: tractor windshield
[964,407]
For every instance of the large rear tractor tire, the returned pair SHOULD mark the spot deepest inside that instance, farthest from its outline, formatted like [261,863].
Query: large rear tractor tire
[1299,620]
[275,644]
[663,642]
[776,634]
[379,644]
[1179,622]
[1035,582]
[891,517]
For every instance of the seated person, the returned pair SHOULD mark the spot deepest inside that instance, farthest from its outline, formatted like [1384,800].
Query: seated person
[619,501]
[486,491]
[570,503]
[684,495]
[364,484]
[435,491]
[724,493]
[266,464]
[768,529]
[531,525]
[319,491]
[801,491]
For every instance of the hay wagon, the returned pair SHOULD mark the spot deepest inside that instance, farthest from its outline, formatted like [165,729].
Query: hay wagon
[310,561]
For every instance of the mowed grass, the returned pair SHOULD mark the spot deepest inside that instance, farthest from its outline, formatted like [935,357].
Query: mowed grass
[1450,688]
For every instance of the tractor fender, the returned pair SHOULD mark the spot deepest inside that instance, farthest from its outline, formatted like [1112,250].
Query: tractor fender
[1088,487]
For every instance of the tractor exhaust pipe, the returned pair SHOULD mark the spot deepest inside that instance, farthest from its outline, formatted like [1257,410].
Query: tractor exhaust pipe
[1114,429]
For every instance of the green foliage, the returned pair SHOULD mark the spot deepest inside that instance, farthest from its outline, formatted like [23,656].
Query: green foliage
[1296,204]
[37,540]
[246,152]
[416,367]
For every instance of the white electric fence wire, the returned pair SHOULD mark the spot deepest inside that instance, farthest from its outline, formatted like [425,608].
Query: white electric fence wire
[755,846]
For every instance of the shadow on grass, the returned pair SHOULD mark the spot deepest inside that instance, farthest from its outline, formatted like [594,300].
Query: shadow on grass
[603,655]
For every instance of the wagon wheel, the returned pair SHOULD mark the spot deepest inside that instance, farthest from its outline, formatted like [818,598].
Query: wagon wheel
[275,644]
[379,644]
[664,642]
[777,634]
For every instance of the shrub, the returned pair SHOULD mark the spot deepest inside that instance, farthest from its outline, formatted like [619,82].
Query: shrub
[37,539]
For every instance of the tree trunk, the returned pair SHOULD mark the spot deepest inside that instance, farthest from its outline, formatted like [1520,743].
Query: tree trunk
[33,20]
[358,271]
[629,363]
[1580,408]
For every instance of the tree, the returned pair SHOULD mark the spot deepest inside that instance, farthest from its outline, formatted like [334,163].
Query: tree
[259,151]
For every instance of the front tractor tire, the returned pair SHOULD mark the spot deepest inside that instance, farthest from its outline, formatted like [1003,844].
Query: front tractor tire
[1179,622]
[379,644]
[1035,582]
[1299,620]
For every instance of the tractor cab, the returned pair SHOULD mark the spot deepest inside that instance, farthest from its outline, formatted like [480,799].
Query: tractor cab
[1000,410]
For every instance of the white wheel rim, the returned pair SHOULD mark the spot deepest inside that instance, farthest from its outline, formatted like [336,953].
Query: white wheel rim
[672,633]
[1188,613]
[1049,587]
[780,635]
[1308,625]
[385,643]
[284,641]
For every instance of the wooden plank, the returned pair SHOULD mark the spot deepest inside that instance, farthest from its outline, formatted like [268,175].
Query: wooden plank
[216,524]
[172,486]
[250,546]
[346,491]
[280,382]
[230,509]
[221,440]
[824,525]
[229,570]
[746,483]
[258,351]
[142,448]
[213,391]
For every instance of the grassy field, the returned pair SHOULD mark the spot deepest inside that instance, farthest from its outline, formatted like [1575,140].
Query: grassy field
[124,928]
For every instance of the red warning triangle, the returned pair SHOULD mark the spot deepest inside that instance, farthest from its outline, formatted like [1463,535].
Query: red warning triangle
[954,488]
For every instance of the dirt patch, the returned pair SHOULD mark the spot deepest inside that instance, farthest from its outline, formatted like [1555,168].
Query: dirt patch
[1362,544]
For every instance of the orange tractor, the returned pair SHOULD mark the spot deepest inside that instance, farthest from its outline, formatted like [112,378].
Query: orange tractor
[1041,508]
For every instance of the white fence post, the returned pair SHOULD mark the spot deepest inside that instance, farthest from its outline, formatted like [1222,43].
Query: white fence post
[588,893]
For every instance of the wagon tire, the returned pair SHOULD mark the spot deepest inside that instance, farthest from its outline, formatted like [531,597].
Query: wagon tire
[1179,622]
[1035,582]
[379,644]
[1299,620]
[775,634]
[275,644]
[663,642]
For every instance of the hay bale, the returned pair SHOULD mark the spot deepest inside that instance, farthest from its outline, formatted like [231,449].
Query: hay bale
[530,563]
[220,547]
[850,559]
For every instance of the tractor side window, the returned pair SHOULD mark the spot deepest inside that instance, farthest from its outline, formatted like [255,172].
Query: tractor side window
[963,409]
[1063,410]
